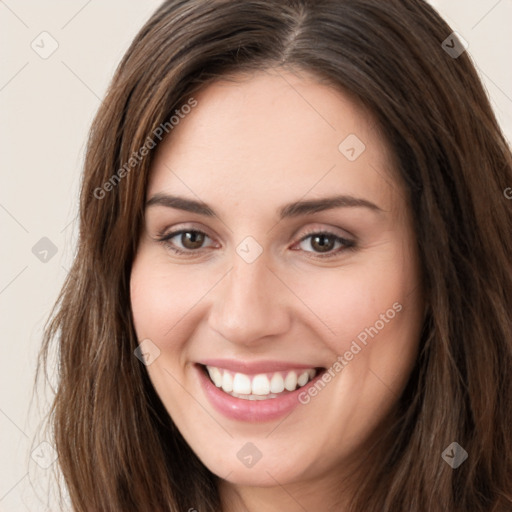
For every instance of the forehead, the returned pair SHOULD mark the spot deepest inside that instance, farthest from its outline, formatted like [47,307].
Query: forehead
[272,136]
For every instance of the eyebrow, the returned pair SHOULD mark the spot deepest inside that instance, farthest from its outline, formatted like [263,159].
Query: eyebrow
[295,209]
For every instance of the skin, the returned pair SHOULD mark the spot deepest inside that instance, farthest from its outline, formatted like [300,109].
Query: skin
[251,146]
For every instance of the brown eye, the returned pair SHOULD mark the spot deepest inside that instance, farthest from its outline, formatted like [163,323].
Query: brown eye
[192,239]
[325,244]
[185,241]
[322,243]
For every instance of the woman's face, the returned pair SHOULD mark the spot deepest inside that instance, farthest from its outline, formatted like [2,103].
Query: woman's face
[296,262]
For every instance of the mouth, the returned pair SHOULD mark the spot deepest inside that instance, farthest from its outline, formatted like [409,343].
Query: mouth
[260,386]
[255,391]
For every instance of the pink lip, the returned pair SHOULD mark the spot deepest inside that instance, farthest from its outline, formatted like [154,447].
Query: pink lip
[254,367]
[251,410]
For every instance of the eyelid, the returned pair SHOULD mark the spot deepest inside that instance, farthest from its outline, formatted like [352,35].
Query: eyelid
[330,230]
[170,231]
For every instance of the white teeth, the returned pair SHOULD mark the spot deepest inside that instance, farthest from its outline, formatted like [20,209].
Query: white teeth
[303,379]
[290,383]
[227,382]
[253,397]
[277,383]
[261,386]
[215,375]
[241,384]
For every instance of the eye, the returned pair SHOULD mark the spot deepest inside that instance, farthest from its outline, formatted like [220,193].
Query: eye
[323,244]
[187,240]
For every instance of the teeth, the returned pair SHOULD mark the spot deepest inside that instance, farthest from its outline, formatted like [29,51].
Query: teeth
[227,382]
[290,383]
[241,384]
[277,383]
[253,397]
[303,379]
[216,376]
[261,386]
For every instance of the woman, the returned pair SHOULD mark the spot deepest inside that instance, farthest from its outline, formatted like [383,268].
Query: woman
[293,281]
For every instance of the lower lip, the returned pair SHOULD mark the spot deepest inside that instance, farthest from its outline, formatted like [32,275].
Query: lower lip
[251,410]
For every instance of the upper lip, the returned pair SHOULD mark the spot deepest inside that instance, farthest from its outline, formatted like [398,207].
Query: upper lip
[254,367]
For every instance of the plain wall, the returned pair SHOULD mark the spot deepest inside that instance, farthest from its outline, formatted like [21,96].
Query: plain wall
[47,106]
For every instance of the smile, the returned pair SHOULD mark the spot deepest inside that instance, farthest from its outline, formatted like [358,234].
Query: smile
[262,386]
[255,391]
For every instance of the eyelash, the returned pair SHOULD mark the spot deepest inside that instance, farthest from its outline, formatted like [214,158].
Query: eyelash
[346,244]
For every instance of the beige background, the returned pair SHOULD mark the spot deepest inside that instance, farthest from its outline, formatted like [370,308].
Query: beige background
[47,106]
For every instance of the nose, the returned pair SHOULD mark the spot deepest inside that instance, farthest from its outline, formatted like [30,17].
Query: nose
[250,304]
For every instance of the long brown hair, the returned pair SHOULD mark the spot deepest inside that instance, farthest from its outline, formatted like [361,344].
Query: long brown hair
[118,448]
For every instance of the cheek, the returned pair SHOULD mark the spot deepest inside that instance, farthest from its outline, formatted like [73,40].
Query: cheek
[163,297]
[375,312]
[351,302]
